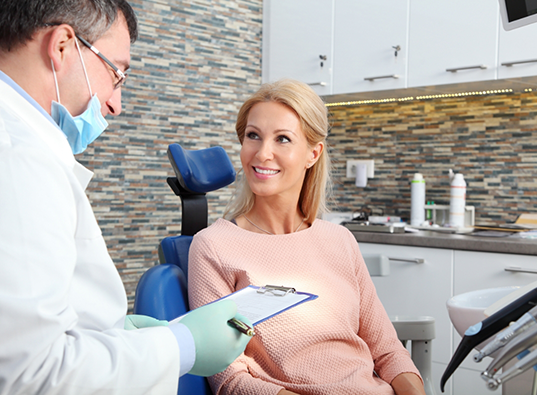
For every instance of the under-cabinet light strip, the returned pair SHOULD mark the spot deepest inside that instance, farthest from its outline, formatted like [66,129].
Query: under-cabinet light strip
[425,97]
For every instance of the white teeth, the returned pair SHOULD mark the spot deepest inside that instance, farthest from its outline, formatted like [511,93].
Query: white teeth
[271,172]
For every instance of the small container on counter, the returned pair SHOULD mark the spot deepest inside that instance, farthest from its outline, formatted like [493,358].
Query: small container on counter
[457,201]
[417,200]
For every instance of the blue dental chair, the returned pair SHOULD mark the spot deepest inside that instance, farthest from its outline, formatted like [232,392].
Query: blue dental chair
[162,290]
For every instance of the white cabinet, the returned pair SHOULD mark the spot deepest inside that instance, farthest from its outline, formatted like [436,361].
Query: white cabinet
[370,45]
[517,52]
[358,40]
[419,289]
[295,35]
[424,288]
[452,35]
[480,270]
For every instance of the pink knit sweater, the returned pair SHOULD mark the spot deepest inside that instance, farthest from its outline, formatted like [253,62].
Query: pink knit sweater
[331,345]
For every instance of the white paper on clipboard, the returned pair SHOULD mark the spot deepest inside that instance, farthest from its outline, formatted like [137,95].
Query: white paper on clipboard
[257,304]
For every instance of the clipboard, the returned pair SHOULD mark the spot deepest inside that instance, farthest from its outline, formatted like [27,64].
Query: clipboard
[258,304]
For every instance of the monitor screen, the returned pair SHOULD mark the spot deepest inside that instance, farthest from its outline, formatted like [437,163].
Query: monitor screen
[518,13]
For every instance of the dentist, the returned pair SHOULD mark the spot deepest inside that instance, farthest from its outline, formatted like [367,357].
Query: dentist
[62,302]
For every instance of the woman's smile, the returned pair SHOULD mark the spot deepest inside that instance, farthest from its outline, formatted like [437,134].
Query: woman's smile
[263,172]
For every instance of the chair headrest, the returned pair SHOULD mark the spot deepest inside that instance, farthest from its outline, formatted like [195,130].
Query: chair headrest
[203,170]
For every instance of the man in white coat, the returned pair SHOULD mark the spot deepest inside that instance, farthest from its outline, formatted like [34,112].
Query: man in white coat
[62,302]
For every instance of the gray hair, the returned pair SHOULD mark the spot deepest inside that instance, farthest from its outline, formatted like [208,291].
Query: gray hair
[20,19]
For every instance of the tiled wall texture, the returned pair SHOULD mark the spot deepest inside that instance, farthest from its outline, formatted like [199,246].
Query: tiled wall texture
[491,140]
[193,65]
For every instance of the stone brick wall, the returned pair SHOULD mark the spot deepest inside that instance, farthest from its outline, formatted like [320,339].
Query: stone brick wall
[193,65]
[492,140]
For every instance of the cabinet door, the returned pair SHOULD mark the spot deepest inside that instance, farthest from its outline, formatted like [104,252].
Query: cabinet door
[418,289]
[449,35]
[295,34]
[517,52]
[366,36]
[480,270]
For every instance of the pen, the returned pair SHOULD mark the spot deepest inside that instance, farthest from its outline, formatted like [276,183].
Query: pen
[241,327]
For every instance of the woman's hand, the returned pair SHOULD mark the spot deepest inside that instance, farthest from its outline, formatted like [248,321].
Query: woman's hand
[285,392]
[408,384]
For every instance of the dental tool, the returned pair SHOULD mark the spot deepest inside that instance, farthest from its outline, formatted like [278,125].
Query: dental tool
[518,368]
[478,333]
[508,334]
[519,344]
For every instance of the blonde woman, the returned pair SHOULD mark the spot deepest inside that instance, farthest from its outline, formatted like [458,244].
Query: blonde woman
[341,343]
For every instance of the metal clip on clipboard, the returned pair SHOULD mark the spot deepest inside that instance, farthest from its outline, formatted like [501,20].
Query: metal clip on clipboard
[276,290]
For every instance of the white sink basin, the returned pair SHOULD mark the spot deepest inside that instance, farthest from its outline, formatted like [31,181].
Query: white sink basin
[468,308]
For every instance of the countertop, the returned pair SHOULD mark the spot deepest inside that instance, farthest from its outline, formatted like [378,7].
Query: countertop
[431,239]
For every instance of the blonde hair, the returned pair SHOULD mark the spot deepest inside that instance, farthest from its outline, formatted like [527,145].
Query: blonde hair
[313,116]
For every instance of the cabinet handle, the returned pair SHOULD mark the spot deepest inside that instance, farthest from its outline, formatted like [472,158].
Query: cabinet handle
[413,260]
[518,269]
[454,70]
[509,64]
[381,77]
[317,83]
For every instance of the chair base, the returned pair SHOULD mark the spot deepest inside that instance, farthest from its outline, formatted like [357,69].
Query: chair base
[420,330]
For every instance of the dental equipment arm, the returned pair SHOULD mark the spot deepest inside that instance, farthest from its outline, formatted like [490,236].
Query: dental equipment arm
[481,331]
[508,334]
[518,368]
[515,347]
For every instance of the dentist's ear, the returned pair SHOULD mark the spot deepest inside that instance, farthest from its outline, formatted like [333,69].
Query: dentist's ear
[61,43]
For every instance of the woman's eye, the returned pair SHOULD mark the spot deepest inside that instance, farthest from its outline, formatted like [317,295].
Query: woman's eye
[283,139]
[252,135]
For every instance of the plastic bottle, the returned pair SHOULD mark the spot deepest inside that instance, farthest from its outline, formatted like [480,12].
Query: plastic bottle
[429,213]
[458,201]
[417,200]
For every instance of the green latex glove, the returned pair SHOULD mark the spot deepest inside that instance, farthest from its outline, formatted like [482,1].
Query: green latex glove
[217,343]
[137,321]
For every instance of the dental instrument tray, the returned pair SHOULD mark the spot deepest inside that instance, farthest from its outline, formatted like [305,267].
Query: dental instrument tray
[355,226]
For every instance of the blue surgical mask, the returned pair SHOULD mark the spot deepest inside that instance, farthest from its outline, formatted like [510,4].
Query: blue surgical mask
[83,129]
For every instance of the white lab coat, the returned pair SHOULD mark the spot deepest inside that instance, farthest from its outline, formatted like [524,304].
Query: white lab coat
[62,302]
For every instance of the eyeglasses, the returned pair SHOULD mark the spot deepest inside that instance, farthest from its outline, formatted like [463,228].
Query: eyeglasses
[120,75]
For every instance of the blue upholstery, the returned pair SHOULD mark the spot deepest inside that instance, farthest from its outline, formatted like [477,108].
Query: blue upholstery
[162,293]
[201,171]
[174,249]
[162,290]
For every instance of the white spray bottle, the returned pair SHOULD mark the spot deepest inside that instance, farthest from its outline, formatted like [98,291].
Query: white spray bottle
[457,201]
[417,200]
